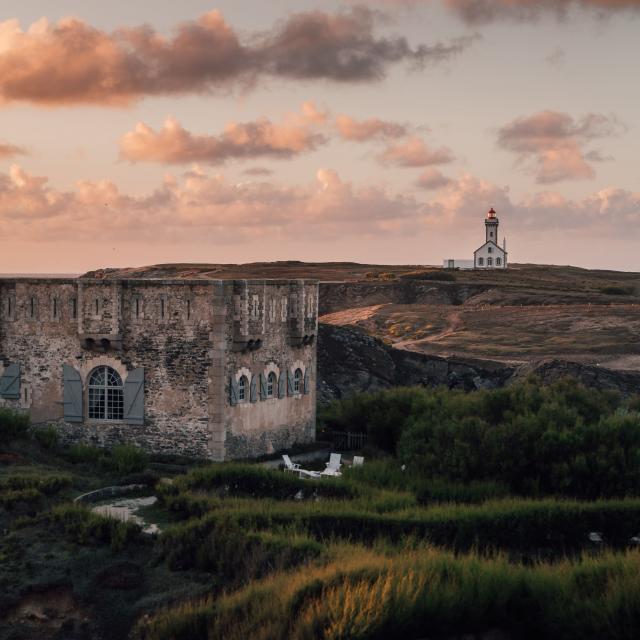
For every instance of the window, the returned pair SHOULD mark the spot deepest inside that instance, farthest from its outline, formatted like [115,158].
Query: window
[480,262]
[162,307]
[498,262]
[297,381]
[491,234]
[243,385]
[271,384]
[96,306]
[55,308]
[489,262]
[106,397]
[74,308]
[188,309]
[33,307]
[489,249]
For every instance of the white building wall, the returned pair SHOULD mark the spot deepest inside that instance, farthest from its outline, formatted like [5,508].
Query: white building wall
[455,263]
[491,252]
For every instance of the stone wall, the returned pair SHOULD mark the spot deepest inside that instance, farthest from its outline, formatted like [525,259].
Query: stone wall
[190,337]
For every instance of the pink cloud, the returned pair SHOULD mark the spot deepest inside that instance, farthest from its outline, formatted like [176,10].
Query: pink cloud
[556,142]
[415,153]
[431,178]
[72,62]
[10,150]
[362,130]
[173,144]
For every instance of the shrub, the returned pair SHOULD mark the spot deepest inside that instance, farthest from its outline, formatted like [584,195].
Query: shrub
[618,291]
[12,424]
[47,437]
[87,528]
[126,459]
[438,275]
[223,547]
[84,454]
[237,479]
[533,439]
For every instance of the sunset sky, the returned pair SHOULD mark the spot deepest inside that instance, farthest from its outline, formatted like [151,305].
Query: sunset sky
[136,132]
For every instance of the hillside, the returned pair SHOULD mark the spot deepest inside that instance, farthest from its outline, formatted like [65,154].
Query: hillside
[522,315]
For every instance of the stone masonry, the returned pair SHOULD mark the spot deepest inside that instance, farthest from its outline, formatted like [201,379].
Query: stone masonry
[210,368]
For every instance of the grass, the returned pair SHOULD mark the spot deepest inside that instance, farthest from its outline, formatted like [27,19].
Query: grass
[365,594]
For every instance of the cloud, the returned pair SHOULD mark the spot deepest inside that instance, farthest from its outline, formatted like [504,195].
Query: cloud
[611,211]
[173,144]
[257,171]
[372,128]
[415,153]
[71,62]
[555,142]
[484,11]
[198,207]
[431,178]
[10,150]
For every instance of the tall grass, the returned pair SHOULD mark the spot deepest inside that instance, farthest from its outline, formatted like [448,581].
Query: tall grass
[423,593]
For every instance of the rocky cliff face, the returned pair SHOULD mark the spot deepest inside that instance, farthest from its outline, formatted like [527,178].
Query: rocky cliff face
[350,361]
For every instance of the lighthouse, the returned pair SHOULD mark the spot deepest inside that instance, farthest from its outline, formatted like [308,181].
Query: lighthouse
[490,255]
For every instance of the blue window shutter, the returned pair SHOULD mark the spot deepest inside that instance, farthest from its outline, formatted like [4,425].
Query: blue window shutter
[282,385]
[254,389]
[233,391]
[263,387]
[290,385]
[307,386]
[72,394]
[134,397]
[10,382]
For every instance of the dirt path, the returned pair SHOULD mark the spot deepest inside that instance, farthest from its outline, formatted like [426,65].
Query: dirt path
[454,325]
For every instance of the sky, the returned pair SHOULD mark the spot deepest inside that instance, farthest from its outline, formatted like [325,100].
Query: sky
[379,131]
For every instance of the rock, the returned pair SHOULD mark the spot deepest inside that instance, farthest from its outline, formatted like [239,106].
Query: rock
[350,361]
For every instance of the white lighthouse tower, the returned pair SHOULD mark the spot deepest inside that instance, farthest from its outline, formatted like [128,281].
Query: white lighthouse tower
[490,255]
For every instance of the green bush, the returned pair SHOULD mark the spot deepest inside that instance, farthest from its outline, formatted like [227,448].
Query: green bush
[86,528]
[618,291]
[560,439]
[233,553]
[530,527]
[84,454]
[126,459]
[238,479]
[46,484]
[47,437]
[12,424]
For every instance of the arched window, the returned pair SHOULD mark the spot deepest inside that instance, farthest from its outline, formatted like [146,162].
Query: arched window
[489,262]
[489,249]
[243,385]
[272,383]
[498,262]
[106,399]
[297,381]
[480,262]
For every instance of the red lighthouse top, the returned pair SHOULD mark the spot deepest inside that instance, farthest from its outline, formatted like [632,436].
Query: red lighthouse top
[492,213]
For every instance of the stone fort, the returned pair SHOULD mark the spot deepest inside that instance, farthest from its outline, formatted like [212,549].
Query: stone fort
[220,369]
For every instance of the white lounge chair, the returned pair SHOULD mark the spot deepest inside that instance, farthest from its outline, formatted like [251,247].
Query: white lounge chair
[296,468]
[358,461]
[288,465]
[333,466]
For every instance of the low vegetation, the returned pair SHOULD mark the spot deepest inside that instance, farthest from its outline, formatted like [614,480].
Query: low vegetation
[513,513]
